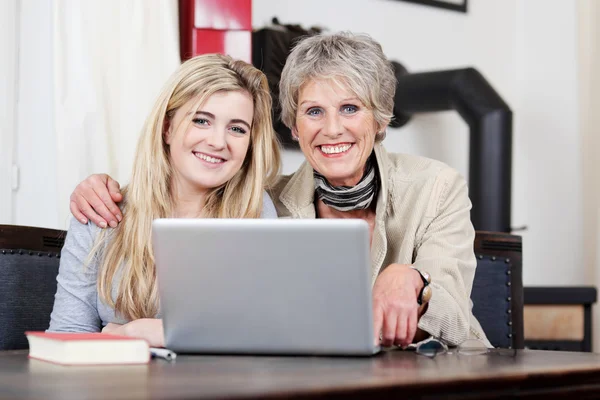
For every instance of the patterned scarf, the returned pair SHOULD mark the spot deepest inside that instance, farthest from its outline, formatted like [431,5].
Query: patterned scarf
[348,198]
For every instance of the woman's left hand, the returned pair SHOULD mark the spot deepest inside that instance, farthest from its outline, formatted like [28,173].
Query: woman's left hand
[395,307]
[150,329]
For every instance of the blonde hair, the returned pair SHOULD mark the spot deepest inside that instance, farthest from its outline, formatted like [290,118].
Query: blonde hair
[355,60]
[148,194]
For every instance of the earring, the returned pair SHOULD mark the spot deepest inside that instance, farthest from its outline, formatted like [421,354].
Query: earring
[382,134]
[295,138]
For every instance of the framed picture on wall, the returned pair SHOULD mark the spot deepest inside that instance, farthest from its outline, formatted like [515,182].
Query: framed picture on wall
[453,5]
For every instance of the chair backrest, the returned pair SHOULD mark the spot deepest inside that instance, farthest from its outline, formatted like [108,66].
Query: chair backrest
[29,259]
[498,288]
[30,256]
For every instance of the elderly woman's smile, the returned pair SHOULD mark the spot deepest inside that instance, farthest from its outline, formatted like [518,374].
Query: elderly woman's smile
[335,129]
[335,150]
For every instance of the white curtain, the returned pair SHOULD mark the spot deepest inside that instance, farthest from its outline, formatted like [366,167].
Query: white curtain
[9,17]
[589,95]
[111,59]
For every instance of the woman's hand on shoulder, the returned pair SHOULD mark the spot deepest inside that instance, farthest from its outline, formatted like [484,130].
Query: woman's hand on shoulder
[150,329]
[395,307]
[95,198]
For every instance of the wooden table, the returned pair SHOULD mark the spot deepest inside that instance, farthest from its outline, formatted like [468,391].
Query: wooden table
[530,374]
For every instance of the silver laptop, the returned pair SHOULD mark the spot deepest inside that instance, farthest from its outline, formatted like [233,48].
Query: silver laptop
[257,286]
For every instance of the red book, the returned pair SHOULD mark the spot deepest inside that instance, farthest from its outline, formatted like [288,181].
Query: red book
[87,348]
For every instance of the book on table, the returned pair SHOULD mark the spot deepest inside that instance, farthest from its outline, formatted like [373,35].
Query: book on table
[87,348]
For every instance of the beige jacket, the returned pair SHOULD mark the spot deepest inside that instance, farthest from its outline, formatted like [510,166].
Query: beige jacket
[423,219]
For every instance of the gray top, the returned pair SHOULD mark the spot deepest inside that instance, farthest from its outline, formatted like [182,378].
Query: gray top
[77,304]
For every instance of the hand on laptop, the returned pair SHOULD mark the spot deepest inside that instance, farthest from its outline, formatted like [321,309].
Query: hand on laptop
[395,308]
[150,329]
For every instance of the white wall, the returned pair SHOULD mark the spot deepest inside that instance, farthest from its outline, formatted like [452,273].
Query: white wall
[35,200]
[547,190]
[589,95]
[8,70]
[519,48]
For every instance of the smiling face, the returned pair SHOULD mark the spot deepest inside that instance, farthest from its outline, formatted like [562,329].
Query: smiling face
[336,131]
[210,150]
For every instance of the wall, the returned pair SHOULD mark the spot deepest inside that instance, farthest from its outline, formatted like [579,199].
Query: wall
[548,194]
[528,60]
[589,94]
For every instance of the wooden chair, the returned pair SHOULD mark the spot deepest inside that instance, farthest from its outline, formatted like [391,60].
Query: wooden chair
[498,288]
[29,259]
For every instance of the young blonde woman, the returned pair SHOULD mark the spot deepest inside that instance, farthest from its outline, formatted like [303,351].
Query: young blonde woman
[207,150]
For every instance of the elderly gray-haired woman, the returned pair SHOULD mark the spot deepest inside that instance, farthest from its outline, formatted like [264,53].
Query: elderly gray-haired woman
[337,96]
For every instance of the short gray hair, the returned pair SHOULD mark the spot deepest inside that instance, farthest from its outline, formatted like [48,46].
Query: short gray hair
[356,59]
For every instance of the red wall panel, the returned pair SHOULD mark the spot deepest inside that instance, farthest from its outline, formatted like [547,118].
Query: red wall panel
[216,26]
